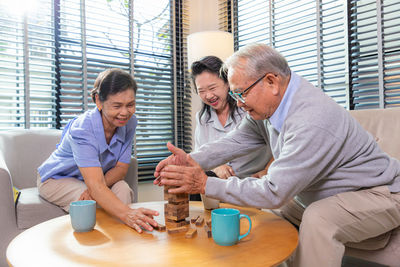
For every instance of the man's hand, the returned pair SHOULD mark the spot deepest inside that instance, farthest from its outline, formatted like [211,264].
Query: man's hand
[178,157]
[85,195]
[190,179]
[224,171]
[141,217]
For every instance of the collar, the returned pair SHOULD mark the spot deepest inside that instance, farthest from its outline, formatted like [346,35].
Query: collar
[215,121]
[281,112]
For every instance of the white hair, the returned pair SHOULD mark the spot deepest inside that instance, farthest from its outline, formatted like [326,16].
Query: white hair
[258,59]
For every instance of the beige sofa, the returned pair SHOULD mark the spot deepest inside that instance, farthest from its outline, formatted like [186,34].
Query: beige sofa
[384,125]
[21,152]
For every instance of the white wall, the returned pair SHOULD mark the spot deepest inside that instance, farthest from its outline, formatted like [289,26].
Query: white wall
[203,15]
[149,192]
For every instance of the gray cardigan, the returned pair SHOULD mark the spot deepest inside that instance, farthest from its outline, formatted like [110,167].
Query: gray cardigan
[211,130]
[320,151]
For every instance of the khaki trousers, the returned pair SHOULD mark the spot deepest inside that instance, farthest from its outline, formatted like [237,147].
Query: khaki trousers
[62,192]
[362,219]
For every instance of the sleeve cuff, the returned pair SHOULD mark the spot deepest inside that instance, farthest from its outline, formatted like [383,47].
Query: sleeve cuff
[215,187]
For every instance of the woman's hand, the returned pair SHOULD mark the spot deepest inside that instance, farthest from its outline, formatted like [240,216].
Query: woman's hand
[260,174]
[85,195]
[224,171]
[265,171]
[141,217]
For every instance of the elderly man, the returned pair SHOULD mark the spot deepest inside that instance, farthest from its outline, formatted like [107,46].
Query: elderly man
[349,186]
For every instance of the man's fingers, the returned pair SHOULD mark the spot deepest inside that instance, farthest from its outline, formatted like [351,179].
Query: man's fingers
[174,150]
[177,158]
[160,166]
[177,190]
[172,169]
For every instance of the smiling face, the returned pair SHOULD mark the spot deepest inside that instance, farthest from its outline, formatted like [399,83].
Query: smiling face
[263,99]
[212,90]
[117,109]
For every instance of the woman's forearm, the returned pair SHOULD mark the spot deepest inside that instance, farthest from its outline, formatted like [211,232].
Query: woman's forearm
[100,192]
[116,174]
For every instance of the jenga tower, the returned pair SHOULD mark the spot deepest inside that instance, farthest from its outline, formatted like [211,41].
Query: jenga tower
[176,211]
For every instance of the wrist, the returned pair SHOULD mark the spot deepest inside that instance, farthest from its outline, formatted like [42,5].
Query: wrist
[203,188]
[123,213]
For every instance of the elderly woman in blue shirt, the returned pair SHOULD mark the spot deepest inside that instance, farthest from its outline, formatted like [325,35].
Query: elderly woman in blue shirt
[94,153]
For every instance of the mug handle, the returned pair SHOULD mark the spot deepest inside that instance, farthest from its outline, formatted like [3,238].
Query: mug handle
[248,231]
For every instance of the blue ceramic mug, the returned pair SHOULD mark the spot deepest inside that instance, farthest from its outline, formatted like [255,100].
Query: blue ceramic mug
[83,215]
[225,226]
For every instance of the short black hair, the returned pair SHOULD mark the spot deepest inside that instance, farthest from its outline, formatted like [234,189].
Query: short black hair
[111,82]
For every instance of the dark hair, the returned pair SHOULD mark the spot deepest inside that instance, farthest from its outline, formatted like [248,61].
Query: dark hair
[111,82]
[212,65]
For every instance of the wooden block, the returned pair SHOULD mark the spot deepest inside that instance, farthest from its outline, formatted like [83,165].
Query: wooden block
[167,187]
[194,219]
[199,221]
[173,224]
[191,233]
[177,217]
[177,230]
[208,222]
[175,208]
[176,212]
[175,199]
[176,202]
[208,231]
[159,227]
[166,194]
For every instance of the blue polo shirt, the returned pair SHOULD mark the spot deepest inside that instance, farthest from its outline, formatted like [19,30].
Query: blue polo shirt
[83,144]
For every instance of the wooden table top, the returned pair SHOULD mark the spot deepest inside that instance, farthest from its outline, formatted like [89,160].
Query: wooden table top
[54,243]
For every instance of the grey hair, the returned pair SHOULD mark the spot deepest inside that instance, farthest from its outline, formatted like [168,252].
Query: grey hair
[259,59]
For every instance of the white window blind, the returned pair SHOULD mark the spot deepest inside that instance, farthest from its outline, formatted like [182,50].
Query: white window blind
[153,70]
[69,42]
[182,78]
[349,49]
[309,34]
[375,53]
[333,51]
[225,15]
[27,78]
[12,79]
[294,35]
[253,22]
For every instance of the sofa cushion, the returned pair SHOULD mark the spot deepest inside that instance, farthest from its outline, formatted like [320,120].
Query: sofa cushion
[388,255]
[25,150]
[32,209]
[384,126]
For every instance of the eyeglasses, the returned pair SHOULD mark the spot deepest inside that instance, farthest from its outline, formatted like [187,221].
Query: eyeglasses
[239,96]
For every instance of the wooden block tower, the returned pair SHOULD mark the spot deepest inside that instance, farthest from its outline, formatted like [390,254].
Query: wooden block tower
[176,211]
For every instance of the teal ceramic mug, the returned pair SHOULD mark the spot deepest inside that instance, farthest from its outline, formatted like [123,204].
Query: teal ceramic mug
[225,226]
[83,215]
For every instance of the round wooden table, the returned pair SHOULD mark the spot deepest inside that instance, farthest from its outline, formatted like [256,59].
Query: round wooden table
[54,243]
